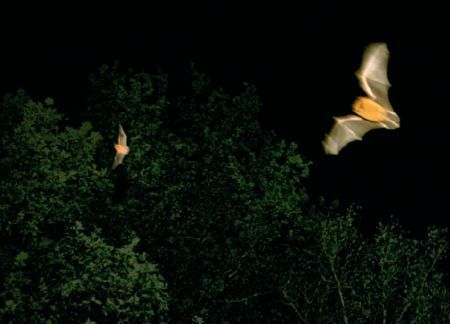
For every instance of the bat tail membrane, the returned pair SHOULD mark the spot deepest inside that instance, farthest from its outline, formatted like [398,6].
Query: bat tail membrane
[392,124]
[392,120]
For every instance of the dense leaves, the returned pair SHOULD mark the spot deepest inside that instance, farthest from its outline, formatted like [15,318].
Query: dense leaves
[208,220]
[51,269]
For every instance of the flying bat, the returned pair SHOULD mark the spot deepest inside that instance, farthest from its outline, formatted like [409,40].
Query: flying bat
[371,112]
[121,148]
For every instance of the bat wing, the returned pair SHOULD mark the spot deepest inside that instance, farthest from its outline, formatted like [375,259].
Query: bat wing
[372,74]
[118,159]
[347,129]
[122,138]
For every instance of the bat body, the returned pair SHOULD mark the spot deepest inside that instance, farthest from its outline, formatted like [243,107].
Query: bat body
[121,148]
[371,112]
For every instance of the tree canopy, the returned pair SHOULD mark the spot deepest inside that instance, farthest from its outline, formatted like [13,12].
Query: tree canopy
[207,220]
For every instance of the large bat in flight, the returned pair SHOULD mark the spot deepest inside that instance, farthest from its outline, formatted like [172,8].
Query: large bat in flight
[371,112]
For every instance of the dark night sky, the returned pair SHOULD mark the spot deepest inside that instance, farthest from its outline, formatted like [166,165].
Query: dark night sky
[302,59]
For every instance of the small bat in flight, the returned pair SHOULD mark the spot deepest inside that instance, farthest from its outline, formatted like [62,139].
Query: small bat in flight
[121,148]
[372,112]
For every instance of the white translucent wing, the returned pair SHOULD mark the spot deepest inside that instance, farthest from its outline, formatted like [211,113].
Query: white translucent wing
[122,138]
[347,129]
[372,74]
[118,159]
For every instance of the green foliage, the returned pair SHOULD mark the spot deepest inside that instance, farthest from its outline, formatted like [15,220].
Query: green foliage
[389,278]
[43,168]
[217,202]
[82,278]
[211,190]
[50,186]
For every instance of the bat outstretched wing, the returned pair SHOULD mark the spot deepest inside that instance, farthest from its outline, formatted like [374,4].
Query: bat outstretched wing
[347,129]
[122,138]
[372,74]
[118,159]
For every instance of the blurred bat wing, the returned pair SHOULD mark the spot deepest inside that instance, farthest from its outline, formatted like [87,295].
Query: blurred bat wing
[122,138]
[347,129]
[372,74]
[118,159]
